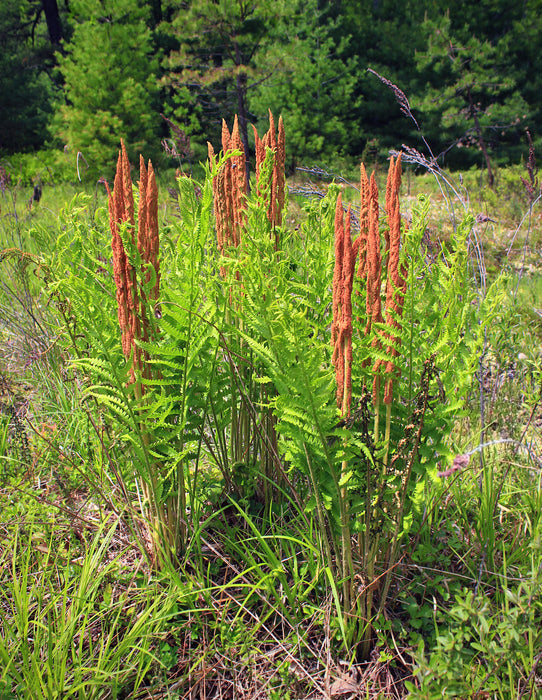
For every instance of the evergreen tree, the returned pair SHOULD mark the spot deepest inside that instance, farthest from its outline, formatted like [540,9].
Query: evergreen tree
[310,85]
[384,36]
[218,61]
[26,62]
[469,98]
[110,82]
[521,47]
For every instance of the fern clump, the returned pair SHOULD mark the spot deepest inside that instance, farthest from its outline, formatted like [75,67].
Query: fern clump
[261,375]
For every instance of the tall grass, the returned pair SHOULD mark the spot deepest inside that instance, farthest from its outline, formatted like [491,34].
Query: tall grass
[70,627]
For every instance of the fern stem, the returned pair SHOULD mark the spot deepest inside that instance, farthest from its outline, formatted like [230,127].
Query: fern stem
[319,508]
[387,434]
[376,399]
[347,563]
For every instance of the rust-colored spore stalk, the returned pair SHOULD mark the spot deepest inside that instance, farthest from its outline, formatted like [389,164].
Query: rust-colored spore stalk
[230,186]
[370,271]
[229,190]
[132,299]
[397,273]
[276,142]
[341,329]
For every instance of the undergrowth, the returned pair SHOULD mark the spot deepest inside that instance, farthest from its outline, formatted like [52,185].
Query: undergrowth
[414,571]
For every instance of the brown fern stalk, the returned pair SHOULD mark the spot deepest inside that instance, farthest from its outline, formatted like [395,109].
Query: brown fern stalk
[276,142]
[360,244]
[238,184]
[337,359]
[226,182]
[271,142]
[121,211]
[341,329]
[349,261]
[259,149]
[396,274]
[374,259]
[374,274]
[152,248]
[229,190]
[131,275]
[280,165]
[341,334]
[131,298]
[148,248]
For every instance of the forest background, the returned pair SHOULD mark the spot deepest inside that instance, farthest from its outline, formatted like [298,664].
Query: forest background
[77,75]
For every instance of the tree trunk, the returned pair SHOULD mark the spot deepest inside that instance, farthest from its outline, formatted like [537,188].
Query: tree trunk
[241,89]
[241,86]
[481,142]
[156,7]
[52,17]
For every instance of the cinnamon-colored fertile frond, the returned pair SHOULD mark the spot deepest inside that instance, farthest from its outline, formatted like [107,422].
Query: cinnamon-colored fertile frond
[361,241]
[211,154]
[142,211]
[392,199]
[280,166]
[341,329]
[238,183]
[272,144]
[374,277]
[277,144]
[131,298]
[127,186]
[345,339]
[116,214]
[337,271]
[374,259]
[121,211]
[229,190]
[225,137]
[130,277]
[259,150]
[152,247]
[397,272]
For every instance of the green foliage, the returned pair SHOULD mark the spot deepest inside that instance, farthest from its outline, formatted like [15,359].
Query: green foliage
[312,85]
[26,90]
[217,60]
[468,97]
[46,167]
[484,647]
[237,447]
[68,629]
[110,83]
[242,380]
[117,66]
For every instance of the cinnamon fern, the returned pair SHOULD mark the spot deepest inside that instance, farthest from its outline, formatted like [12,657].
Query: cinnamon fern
[269,375]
